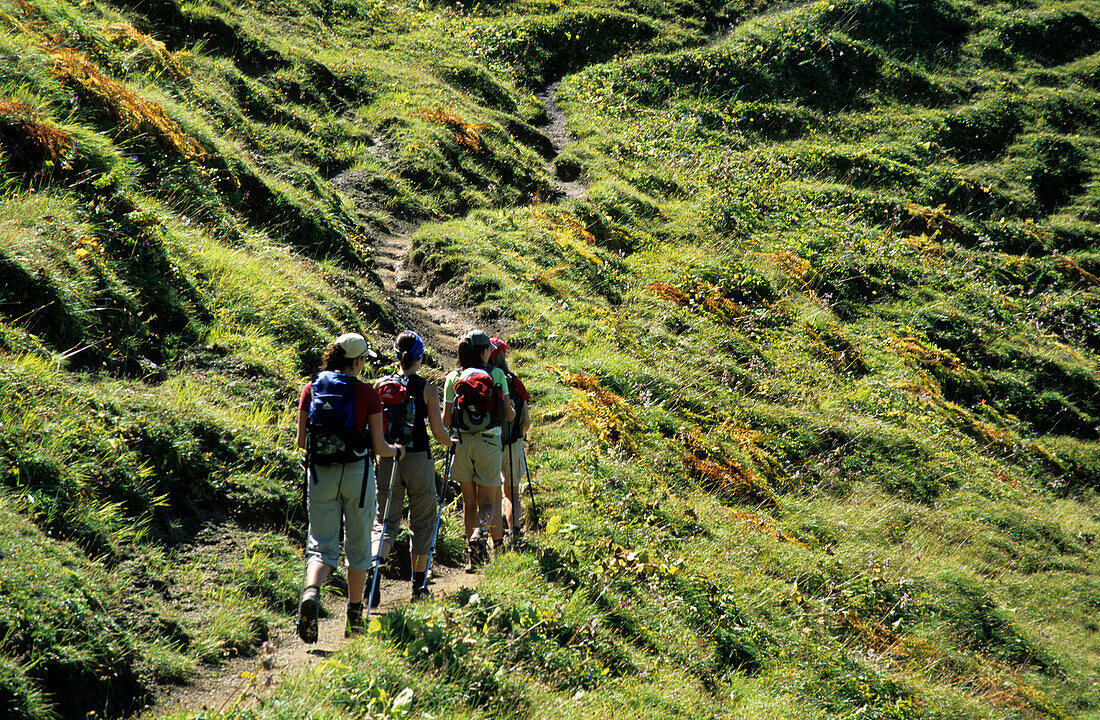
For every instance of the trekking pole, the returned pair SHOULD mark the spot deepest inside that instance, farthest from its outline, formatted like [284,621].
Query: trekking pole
[450,461]
[515,500]
[530,489]
[381,538]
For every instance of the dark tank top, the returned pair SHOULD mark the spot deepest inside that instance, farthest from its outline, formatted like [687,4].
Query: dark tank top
[420,440]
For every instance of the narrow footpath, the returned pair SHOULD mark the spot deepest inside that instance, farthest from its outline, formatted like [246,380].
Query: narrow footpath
[243,682]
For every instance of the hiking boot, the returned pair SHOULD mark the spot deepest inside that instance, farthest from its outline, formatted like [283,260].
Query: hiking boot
[355,620]
[480,545]
[420,592]
[498,546]
[308,610]
[471,559]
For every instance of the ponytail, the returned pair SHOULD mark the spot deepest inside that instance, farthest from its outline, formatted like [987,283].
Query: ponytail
[409,348]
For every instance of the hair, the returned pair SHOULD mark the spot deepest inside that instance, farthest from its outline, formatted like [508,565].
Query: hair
[468,355]
[501,362]
[405,342]
[335,358]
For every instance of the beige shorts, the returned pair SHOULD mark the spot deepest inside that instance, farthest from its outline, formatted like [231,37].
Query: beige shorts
[477,459]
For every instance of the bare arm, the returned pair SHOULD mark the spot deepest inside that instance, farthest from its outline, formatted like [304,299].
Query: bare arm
[303,421]
[509,409]
[447,413]
[431,399]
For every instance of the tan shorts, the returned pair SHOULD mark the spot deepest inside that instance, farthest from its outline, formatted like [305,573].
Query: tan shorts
[477,459]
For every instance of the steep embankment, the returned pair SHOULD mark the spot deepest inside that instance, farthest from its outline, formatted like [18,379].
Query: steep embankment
[816,355]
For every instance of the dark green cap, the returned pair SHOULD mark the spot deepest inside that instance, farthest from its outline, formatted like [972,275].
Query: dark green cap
[477,338]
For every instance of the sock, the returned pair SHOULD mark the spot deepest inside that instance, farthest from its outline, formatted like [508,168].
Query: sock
[419,578]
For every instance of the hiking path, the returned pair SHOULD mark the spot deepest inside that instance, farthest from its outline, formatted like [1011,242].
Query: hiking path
[441,319]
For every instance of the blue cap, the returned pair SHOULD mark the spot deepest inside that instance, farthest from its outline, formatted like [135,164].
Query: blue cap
[416,352]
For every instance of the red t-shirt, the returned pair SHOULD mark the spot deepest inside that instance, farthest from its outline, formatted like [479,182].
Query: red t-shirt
[365,401]
[520,389]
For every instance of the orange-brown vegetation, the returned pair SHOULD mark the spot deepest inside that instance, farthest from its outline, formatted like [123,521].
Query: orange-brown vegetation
[29,142]
[130,38]
[570,234]
[934,222]
[723,475]
[466,135]
[767,526]
[605,414]
[701,295]
[792,265]
[1070,268]
[669,292]
[140,113]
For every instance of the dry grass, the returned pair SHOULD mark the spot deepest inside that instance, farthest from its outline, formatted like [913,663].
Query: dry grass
[719,473]
[127,37]
[141,114]
[30,142]
[466,135]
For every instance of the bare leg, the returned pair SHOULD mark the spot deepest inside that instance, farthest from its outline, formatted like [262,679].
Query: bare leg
[469,507]
[317,573]
[488,509]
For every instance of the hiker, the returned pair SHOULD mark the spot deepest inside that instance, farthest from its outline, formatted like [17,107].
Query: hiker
[475,402]
[514,462]
[339,425]
[405,421]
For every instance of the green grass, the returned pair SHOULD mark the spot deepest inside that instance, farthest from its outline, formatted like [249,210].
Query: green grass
[815,359]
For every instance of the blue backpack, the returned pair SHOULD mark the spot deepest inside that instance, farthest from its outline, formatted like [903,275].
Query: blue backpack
[332,435]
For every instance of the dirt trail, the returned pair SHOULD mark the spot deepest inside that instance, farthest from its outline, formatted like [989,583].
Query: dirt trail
[441,320]
[242,682]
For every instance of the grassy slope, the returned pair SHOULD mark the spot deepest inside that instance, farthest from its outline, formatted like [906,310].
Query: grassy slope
[820,433]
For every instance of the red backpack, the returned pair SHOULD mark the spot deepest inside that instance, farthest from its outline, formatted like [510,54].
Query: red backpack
[478,403]
[398,408]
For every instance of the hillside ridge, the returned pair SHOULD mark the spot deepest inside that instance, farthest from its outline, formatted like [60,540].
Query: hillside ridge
[809,308]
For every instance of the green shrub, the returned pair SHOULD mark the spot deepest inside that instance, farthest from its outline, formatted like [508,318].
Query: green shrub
[1059,172]
[981,131]
[930,30]
[1053,36]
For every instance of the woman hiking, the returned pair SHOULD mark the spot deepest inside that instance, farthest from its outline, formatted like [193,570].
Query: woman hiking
[514,461]
[415,472]
[475,402]
[339,425]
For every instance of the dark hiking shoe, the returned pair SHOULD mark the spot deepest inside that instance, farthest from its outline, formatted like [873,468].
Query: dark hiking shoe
[498,547]
[308,610]
[420,592]
[480,546]
[355,620]
[376,595]
[471,559]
